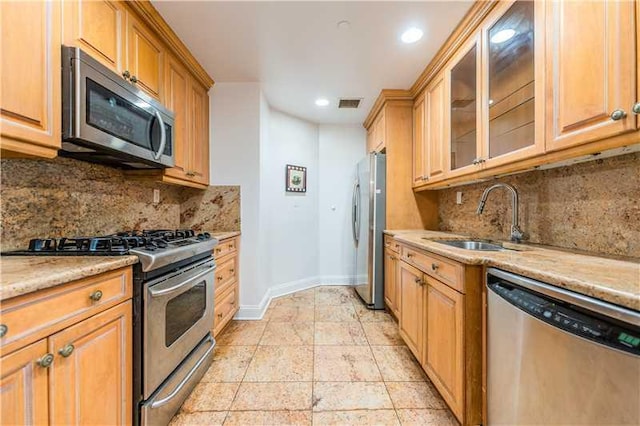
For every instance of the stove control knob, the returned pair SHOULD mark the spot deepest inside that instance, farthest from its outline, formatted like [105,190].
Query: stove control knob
[207,235]
[201,237]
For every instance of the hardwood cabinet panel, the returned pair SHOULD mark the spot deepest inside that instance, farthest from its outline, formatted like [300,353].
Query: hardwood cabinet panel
[444,356]
[224,310]
[30,118]
[199,134]
[145,57]
[435,129]
[97,27]
[412,307]
[24,387]
[380,133]
[591,71]
[370,139]
[419,145]
[391,281]
[93,384]
[178,85]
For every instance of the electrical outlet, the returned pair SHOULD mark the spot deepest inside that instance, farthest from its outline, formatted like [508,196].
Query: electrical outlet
[156,196]
[458,197]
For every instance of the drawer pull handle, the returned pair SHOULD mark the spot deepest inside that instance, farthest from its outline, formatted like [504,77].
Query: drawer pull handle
[636,108]
[618,115]
[230,246]
[232,270]
[418,280]
[96,295]
[45,361]
[219,277]
[233,303]
[434,266]
[133,79]
[3,330]
[218,250]
[409,255]
[126,74]
[393,258]
[220,315]
[67,350]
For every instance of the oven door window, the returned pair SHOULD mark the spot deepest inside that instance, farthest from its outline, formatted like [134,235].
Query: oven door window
[123,119]
[183,311]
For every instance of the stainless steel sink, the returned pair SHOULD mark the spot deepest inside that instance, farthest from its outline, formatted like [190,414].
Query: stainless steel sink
[477,245]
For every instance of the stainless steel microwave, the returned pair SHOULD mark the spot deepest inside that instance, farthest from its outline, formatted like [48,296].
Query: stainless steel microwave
[108,120]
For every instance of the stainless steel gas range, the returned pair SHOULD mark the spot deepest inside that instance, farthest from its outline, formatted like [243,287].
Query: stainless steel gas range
[172,310]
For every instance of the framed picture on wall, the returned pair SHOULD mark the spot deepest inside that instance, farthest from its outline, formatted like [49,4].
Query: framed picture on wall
[296,179]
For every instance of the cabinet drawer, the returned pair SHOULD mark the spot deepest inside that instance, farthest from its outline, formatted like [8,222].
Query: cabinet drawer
[445,270]
[225,247]
[225,309]
[391,244]
[37,315]
[226,274]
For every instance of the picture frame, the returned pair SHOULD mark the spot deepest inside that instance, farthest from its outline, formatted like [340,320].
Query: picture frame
[296,179]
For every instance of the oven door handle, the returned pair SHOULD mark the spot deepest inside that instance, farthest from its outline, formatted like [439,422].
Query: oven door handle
[184,381]
[163,290]
[163,135]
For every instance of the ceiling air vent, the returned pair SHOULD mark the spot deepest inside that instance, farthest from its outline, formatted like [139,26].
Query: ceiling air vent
[349,103]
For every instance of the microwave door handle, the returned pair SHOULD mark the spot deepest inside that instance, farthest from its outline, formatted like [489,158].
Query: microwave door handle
[163,135]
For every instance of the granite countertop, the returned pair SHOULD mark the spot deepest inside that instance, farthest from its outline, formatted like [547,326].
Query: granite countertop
[25,274]
[613,280]
[224,235]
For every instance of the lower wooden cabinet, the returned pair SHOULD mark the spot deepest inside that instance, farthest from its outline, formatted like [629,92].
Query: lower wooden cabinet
[24,386]
[412,306]
[391,286]
[79,373]
[227,292]
[444,355]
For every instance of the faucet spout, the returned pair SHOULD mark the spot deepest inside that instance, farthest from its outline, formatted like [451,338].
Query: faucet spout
[516,232]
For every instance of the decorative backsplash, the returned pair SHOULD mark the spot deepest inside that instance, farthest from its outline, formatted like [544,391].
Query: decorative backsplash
[65,197]
[592,206]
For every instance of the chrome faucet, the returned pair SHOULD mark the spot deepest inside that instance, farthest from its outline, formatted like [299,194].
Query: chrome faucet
[516,232]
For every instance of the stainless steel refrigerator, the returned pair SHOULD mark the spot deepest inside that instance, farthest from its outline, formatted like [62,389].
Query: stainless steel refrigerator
[368,222]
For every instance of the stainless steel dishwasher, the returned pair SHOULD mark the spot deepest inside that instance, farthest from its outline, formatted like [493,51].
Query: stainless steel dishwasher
[558,357]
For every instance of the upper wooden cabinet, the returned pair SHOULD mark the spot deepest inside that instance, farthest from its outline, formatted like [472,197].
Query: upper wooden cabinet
[177,90]
[435,129]
[97,27]
[419,147]
[145,57]
[591,70]
[30,117]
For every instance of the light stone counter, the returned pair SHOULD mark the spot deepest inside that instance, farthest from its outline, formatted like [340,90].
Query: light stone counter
[613,280]
[25,274]
[224,235]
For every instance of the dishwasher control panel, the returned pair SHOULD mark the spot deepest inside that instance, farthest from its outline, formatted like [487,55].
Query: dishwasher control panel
[569,318]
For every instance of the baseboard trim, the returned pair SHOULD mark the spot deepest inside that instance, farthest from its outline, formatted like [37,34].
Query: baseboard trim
[256,312]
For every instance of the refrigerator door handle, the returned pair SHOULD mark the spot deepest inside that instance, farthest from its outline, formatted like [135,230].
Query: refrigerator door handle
[353,213]
[357,222]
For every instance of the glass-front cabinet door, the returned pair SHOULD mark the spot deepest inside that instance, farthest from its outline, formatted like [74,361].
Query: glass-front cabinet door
[463,84]
[513,87]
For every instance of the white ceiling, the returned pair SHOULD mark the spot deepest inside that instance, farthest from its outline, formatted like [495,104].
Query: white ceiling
[298,54]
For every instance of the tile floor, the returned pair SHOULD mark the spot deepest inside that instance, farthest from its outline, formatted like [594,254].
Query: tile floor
[318,357]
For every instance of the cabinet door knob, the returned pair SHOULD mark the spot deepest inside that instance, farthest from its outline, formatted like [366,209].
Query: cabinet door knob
[393,258]
[66,350]
[133,79]
[636,108]
[434,266]
[220,315]
[96,295]
[126,74]
[232,270]
[409,255]
[3,330]
[618,115]
[475,161]
[46,360]
[219,277]
[418,280]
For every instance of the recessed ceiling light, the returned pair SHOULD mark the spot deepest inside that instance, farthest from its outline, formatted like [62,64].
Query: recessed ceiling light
[411,35]
[503,35]
[322,102]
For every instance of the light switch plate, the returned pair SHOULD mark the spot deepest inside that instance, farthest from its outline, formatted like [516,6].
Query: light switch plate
[156,196]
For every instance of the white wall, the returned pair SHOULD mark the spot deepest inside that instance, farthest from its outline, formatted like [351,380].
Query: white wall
[235,160]
[292,224]
[340,148]
[289,240]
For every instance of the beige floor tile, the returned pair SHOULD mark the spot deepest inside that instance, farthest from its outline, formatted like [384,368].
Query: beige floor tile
[281,364]
[288,333]
[415,395]
[427,417]
[334,295]
[273,396]
[382,333]
[339,333]
[332,313]
[210,397]
[210,418]
[242,333]
[229,363]
[302,298]
[345,363]
[368,315]
[355,418]
[332,396]
[397,364]
[259,418]
[291,313]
